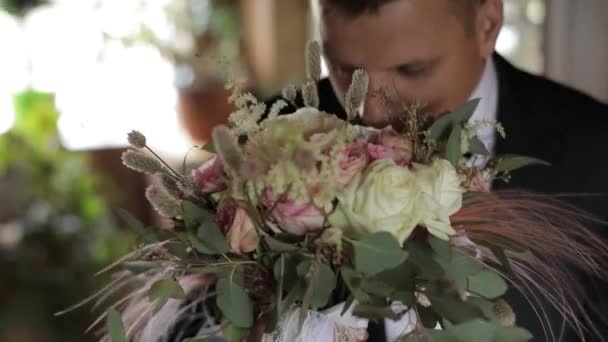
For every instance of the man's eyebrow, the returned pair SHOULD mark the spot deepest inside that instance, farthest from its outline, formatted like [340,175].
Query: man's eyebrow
[416,63]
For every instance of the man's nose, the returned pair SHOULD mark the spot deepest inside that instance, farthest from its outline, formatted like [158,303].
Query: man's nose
[377,106]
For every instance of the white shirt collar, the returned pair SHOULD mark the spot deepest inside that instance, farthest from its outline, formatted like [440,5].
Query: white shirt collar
[487,91]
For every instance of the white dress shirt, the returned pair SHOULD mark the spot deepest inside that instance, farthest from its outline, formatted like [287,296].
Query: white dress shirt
[487,91]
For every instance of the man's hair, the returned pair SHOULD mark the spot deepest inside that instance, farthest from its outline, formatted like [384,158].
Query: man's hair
[463,9]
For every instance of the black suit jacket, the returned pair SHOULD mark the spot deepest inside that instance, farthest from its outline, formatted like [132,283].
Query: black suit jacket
[546,120]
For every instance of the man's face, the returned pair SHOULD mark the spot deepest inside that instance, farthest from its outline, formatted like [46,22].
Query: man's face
[415,51]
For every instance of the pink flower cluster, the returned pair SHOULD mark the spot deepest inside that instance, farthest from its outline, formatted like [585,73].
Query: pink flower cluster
[290,217]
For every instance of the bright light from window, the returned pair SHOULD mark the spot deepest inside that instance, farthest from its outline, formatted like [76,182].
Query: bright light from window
[7,113]
[13,68]
[103,88]
[508,40]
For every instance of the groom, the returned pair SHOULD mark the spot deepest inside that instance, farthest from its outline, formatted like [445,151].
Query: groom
[439,54]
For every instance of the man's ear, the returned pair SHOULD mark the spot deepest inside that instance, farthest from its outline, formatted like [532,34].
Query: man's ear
[488,24]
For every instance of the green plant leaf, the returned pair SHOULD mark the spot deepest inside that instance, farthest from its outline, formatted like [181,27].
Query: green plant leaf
[442,127]
[448,304]
[422,258]
[402,277]
[377,288]
[164,289]
[210,236]
[232,333]
[322,283]
[441,247]
[487,284]
[453,151]
[371,311]
[377,253]
[209,148]
[290,272]
[511,162]
[354,281]
[234,303]
[115,326]
[474,331]
[512,334]
[131,221]
[459,267]
[195,215]
[280,246]
[477,147]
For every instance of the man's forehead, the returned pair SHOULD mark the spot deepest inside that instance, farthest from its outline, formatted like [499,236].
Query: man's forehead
[401,32]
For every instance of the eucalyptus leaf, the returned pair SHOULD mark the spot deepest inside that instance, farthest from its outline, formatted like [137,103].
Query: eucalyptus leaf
[232,333]
[422,258]
[322,283]
[453,151]
[512,334]
[116,328]
[290,272]
[375,312]
[234,303]
[441,247]
[354,282]
[487,284]
[405,297]
[378,252]
[377,288]
[476,146]
[402,277]
[163,290]
[459,267]
[451,307]
[279,246]
[442,127]
[210,236]
[474,331]
[167,287]
[194,215]
[511,162]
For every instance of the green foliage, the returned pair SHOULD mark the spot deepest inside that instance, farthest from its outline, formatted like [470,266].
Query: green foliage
[116,327]
[163,290]
[54,196]
[510,162]
[203,231]
[234,302]
[320,284]
[377,253]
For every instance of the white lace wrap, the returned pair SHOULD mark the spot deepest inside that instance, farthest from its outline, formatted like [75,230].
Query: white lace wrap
[325,326]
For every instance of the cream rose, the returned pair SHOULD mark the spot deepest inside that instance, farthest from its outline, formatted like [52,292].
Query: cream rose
[442,194]
[237,227]
[385,197]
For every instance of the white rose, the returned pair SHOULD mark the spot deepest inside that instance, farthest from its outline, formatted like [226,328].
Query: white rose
[442,193]
[385,197]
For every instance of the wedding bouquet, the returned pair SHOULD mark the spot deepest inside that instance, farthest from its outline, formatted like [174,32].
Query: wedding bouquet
[305,226]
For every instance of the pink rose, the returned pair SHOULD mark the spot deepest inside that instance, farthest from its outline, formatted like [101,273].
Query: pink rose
[293,218]
[480,182]
[354,160]
[237,226]
[391,145]
[210,176]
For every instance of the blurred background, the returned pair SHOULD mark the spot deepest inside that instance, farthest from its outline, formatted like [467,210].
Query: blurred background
[77,75]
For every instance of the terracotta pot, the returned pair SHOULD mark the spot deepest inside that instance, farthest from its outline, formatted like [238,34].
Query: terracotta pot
[203,109]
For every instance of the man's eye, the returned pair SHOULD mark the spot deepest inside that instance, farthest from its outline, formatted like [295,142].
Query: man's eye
[413,70]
